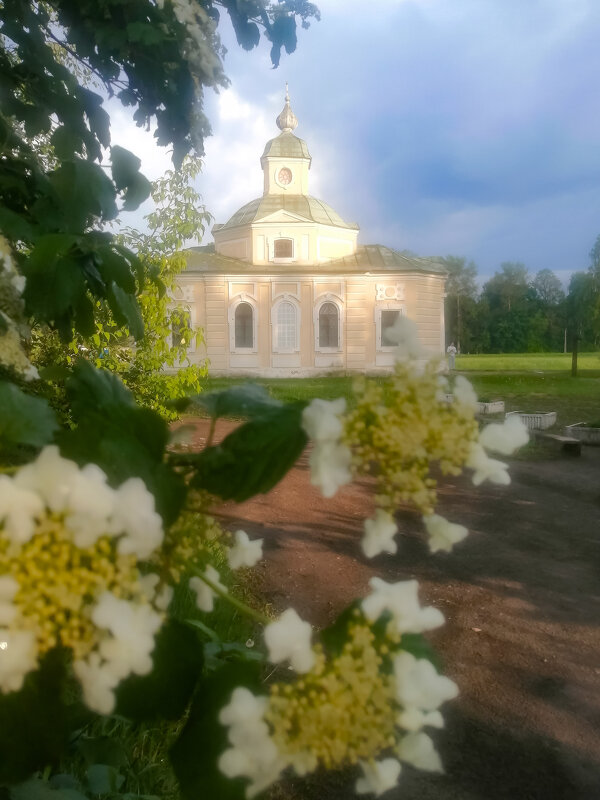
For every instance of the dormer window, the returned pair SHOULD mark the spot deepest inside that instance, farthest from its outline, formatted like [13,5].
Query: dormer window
[283,248]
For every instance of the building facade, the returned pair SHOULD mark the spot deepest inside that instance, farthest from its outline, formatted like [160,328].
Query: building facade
[286,290]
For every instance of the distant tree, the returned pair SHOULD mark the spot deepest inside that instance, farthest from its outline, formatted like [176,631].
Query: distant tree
[461,287]
[548,287]
[548,327]
[583,309]
[595,257]
[508,286]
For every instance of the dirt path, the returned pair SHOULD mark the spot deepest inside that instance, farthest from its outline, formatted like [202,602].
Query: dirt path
[521,598]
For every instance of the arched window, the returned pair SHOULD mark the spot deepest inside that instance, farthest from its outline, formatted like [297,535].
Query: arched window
[283,248]
[329,335]
[244,326]
[285,336]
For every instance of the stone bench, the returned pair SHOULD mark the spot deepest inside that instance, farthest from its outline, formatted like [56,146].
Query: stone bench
[566,443]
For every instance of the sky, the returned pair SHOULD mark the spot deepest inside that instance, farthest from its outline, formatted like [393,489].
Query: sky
[445,127]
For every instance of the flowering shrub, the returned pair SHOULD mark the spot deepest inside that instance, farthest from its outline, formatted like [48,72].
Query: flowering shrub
[97,540]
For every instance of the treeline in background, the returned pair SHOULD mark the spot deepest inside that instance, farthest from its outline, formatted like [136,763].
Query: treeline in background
[517,312]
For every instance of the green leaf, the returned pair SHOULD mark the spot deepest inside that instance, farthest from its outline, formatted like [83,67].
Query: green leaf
[103,779]
[115,268]
[14,226]
[138,190]
[419,647]
[216,653]
[55,373]
[247,400]
[196,753]
[125,441]
[126,310]
[102,750]
[125,166]
[25,419]
[96,389]
[85,193]
[335,636]
[254,457]
[36,722]
[167,690]
[127,177]
[66,142]
[38,789]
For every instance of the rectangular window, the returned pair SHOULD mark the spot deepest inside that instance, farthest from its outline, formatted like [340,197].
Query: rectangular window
[388,319]
[283,248]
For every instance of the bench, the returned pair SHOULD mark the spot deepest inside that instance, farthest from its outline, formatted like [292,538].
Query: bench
[567,444]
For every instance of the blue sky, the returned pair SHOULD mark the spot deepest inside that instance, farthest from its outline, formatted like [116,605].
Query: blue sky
[462,127]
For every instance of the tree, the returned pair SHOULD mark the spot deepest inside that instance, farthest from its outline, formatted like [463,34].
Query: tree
[179,217]
[507,287]
[460,286]
[156,58]
[548,287]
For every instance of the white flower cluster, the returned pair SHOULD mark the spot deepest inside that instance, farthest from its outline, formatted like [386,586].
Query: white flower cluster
[12,285]
[8,265]
[404,333]
[91,508]
[401,600]
[88,508]
[245,552]
[502,438]
[443,535]
[253,753]
[125,650]
[418,688]
[464,393]
[330,458]
[379,534]
[205,596]
[288,638]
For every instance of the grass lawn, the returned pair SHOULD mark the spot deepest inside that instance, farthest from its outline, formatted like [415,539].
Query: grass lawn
[528,382]
[527,362]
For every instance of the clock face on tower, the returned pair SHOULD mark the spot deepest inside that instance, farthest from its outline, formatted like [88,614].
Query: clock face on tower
[284,176]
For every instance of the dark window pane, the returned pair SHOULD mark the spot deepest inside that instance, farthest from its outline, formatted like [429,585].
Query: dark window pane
[244,329]
[388,318]
[283,248]
[328,325]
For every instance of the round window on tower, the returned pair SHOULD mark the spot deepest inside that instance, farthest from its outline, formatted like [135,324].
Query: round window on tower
[284,176]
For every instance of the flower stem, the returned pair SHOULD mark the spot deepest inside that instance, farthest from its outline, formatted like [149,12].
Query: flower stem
[239,604]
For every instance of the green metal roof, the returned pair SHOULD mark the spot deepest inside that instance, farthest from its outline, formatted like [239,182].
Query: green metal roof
[377,257]
[302,204]
[286,145]
[373,258]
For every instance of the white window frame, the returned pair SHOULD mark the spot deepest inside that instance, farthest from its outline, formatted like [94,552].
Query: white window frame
[389,306]
[328,298]
[285,298]
[236,301]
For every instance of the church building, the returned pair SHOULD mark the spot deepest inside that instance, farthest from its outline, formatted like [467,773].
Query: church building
[286,290]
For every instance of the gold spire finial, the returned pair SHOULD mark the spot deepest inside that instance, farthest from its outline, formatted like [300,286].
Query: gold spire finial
[287,121]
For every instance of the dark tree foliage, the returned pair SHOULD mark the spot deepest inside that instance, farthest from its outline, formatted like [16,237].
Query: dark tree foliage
[156,58]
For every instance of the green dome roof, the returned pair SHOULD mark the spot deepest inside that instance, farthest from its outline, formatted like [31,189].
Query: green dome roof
[302,204]
[286,145]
